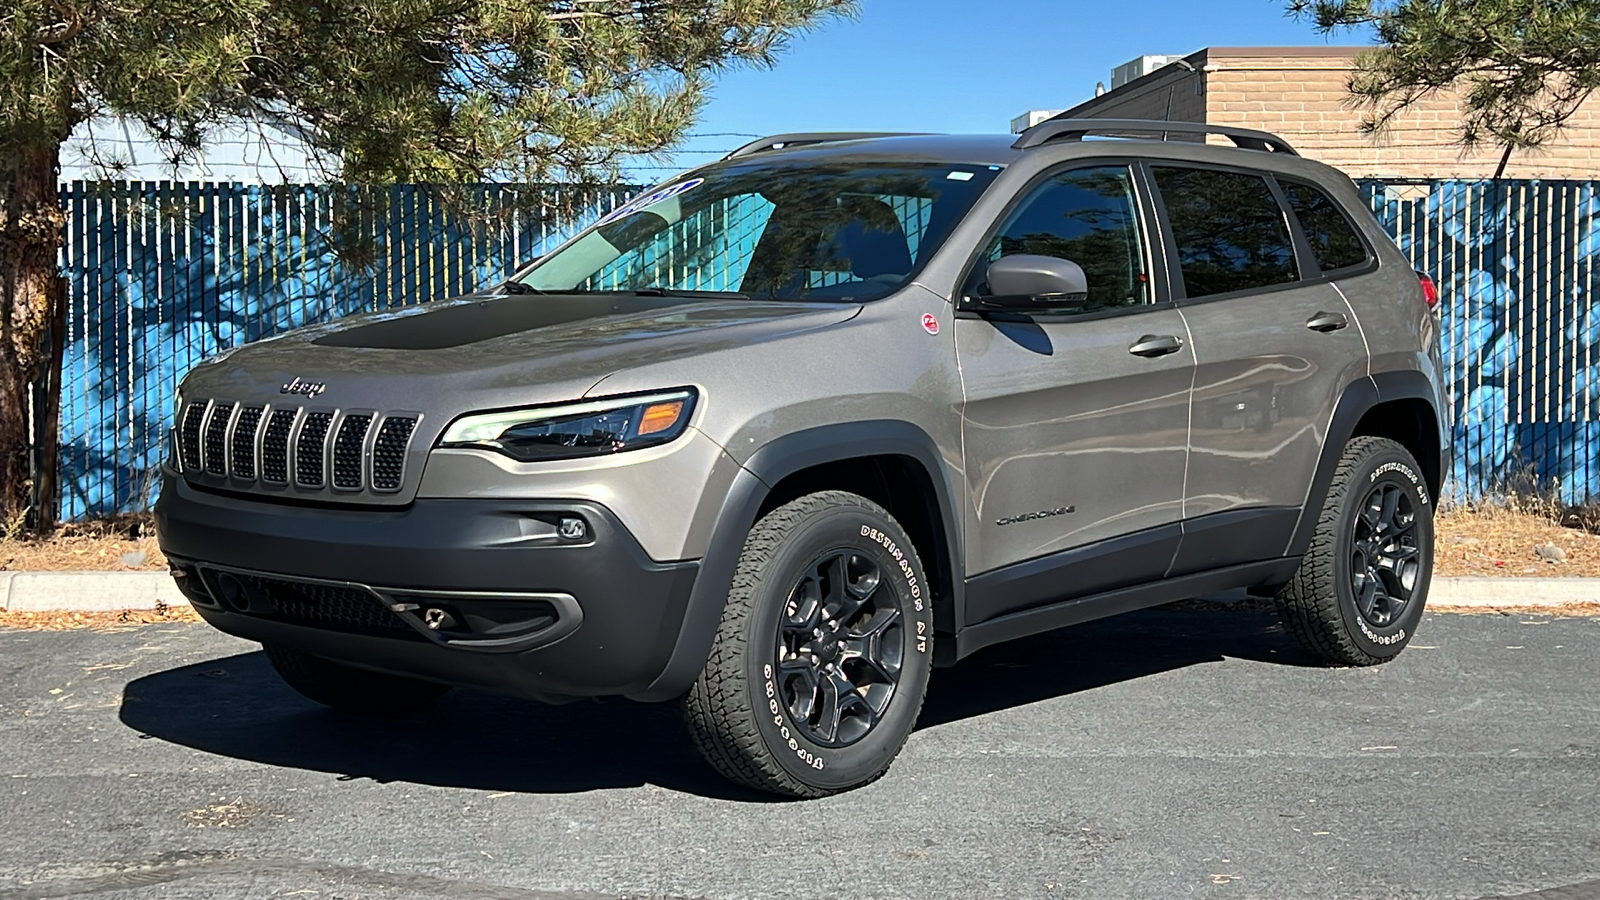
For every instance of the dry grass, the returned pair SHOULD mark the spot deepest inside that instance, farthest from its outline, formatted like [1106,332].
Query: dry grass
[107,545]
[57,620]
[1505,540]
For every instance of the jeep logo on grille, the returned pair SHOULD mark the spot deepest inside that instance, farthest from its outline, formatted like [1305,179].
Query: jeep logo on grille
[303,388]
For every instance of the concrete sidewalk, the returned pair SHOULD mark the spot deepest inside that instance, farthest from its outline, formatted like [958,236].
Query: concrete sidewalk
[115,591]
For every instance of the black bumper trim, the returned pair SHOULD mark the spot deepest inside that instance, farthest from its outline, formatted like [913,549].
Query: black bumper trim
[408,608]
[474,551]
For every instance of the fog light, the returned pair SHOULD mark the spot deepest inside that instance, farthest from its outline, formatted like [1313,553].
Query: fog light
[572,529]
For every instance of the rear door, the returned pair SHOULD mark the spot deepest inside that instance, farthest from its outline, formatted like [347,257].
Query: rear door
[1275,344]
[1075,424]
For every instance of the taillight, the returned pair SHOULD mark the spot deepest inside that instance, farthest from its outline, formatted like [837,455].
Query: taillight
[1430,291]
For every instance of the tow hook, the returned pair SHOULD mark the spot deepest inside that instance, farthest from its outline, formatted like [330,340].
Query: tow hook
[436,618]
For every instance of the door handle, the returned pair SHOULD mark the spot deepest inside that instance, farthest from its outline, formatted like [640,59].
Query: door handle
[1327,321]
[1153,345]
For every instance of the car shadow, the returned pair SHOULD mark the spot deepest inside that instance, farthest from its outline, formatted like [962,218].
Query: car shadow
[1100,653]
[238,707]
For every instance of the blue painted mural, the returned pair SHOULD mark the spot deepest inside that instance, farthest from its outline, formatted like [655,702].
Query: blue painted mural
[164,274]
[1515,265]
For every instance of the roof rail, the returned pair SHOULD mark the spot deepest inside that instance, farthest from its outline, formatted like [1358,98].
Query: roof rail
[1062,129]
[779,141]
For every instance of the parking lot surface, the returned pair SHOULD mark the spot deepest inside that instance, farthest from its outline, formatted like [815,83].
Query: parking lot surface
[1162,754]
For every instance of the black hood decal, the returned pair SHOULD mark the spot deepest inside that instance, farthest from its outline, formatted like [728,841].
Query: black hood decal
[462,323]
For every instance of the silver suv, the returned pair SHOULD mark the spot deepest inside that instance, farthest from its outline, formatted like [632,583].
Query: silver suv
[781,435]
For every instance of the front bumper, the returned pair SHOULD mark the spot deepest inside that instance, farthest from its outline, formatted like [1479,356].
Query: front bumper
[520,609]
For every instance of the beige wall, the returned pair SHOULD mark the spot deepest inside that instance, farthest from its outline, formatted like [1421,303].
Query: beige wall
[1299,93]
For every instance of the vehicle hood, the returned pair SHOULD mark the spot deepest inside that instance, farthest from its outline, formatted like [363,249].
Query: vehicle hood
[486,352]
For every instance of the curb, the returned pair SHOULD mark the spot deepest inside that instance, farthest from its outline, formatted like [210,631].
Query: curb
[87,591]
[117,591]
[1511,591]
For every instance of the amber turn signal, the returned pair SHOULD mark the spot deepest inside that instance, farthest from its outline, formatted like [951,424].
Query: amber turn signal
[660,417]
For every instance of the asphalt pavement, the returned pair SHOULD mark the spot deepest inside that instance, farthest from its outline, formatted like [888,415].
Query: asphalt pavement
[1164,754]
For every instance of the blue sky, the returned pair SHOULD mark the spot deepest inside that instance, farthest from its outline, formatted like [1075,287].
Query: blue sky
[971,65]
[904,65]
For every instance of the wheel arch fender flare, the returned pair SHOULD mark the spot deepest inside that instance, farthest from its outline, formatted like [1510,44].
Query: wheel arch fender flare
[1359,398]
[765,468]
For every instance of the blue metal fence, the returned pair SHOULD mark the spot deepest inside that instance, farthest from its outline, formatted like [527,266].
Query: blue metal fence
[164,274]
[1515,262]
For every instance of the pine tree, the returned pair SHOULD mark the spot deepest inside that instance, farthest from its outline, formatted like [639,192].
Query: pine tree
[381,90]
[1522,67]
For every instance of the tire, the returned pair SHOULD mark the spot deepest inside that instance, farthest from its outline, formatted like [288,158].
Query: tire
[1360,590]
[349,689]
[794,634]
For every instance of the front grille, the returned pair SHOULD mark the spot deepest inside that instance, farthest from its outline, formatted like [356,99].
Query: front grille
[244,442]
[328,606]
[216,455]
[315,450]
[275,446]
[189,436]
[389,452]
[310,449]
[347,451]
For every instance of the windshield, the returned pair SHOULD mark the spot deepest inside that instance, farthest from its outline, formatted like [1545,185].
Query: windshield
[798,231]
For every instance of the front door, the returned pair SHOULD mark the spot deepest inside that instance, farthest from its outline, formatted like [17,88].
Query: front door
[1076,422]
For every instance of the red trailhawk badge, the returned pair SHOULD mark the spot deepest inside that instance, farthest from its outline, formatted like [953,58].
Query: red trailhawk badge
[929,323]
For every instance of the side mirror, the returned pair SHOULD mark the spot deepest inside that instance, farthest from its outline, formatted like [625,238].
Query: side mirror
[1027,281]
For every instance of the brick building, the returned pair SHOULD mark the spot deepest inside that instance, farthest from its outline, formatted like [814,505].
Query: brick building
[1299,93]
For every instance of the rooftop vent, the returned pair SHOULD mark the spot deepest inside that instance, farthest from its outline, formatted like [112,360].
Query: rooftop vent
[1140,67]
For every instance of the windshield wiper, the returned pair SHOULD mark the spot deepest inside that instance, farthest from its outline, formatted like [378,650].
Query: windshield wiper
[666,292]
[517,287]
[672,292]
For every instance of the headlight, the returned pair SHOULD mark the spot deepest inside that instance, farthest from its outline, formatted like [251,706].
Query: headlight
[589,428]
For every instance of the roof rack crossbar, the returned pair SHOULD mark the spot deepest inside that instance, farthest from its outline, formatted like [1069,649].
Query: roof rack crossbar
[779,141]
[1077,129]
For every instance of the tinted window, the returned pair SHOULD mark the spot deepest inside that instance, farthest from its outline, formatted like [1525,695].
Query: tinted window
[1090,217]
[1333,239]
[1230,231]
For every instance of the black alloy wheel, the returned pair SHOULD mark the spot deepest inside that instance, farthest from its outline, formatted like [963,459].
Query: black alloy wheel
[1362,585]
[1385,560]
[819,666]
[840,644]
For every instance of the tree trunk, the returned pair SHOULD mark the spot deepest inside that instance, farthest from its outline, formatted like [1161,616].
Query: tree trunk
[31,222]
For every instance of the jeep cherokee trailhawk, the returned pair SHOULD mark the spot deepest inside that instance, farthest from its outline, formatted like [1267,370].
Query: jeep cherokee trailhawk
[781,435]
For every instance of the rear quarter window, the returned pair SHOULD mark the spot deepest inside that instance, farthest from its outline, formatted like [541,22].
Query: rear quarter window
[1231,233]
[1333,237]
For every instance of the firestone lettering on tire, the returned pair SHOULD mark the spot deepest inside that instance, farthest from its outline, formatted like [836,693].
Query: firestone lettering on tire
[1374,637]
[814,760]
